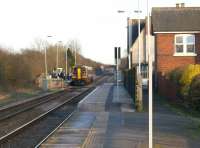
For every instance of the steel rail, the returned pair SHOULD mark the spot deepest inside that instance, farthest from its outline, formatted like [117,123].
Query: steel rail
[3,138]
[14,109]
[40,143]
[23,106]
[17,130]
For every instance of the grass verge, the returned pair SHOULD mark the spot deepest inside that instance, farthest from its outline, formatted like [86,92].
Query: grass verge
[21,94]
[194,116]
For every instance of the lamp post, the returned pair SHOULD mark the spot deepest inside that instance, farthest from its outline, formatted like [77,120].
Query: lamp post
[45,57]
[128,47]
[129,56]
[75,56]
[66,71]
[45,61]
[150,80]
[139,47]
[57,54]
[45,80]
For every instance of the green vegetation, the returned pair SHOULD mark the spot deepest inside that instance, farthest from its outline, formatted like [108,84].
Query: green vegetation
[22,94]
[189,73]
[194,93]
[20,70]
[178,108]
[18,96]
[188,79]
[187,76]
[175,75]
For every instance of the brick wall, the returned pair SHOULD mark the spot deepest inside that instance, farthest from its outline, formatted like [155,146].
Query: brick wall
[172,93]
[165,61]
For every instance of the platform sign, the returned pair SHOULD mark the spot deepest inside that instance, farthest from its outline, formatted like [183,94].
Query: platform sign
[117,52]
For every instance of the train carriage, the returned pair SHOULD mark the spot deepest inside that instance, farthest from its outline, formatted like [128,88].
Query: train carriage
[81,75]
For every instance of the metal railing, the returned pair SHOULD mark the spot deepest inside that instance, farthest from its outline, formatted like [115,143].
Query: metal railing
[130,81]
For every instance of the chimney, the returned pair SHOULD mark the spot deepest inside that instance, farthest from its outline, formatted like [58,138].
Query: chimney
[182,5]
[177,5]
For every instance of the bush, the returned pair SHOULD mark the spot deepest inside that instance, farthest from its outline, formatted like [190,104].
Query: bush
[188,80]
[195,88]
[175,75]
[188,74]
[194,92]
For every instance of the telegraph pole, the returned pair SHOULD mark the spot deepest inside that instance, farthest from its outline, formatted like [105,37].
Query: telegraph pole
[45,58]
[57,56]
[45,81]
[139,38]
[66,61]
[150,80]
[57,53]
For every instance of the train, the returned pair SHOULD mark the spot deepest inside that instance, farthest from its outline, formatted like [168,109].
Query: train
[81,75]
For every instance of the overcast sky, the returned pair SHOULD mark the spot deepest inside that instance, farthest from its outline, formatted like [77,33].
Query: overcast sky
[95,23]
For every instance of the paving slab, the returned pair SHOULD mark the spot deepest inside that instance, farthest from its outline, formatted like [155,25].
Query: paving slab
[88,126]
[72,133]
[106,119]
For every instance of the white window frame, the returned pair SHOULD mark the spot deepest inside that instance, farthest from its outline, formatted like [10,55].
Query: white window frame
[184,53]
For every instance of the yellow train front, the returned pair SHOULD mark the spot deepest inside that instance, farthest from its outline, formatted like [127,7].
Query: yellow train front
[81,76]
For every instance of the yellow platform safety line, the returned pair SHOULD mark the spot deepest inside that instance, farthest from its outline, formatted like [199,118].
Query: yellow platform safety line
[90,137]
[158,146]
[142,144]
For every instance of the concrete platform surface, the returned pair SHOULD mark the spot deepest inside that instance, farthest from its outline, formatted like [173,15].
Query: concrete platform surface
[106,119]
[107,98]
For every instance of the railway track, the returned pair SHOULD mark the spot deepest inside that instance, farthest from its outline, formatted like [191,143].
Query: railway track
[14,109]
[28,127]
[17,108]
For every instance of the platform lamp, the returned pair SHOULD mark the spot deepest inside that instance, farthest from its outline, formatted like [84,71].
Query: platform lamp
[129,59]
[66,62]
[57,51]
[129,56]
[150,63]
[139,47]
[45,57]
[45,80]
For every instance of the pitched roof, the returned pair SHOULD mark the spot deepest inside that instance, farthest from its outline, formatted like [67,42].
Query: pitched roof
[172,19]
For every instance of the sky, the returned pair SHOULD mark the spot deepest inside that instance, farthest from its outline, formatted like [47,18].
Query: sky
[94,23]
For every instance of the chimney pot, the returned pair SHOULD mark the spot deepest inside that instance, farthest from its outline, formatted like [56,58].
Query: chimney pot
[182,4]
[177,5]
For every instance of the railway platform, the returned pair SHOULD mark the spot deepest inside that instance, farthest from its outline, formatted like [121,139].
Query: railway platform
[106,119]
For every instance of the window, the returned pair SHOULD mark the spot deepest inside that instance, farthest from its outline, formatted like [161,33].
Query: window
[185,44]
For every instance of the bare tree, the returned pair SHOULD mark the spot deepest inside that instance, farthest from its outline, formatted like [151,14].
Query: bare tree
[74,45]
[38,44]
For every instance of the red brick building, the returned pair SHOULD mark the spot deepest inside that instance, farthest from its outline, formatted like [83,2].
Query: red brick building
[177,37]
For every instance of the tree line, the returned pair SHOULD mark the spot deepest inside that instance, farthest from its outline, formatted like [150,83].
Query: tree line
[22,68]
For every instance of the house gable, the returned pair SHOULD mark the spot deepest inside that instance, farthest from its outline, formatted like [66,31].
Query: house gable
[165,49]
[172,19]
[167,22]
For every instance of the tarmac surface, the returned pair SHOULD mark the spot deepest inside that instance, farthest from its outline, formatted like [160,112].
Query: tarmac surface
[106,119]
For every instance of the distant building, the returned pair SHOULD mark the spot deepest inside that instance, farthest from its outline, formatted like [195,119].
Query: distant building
[132,44]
